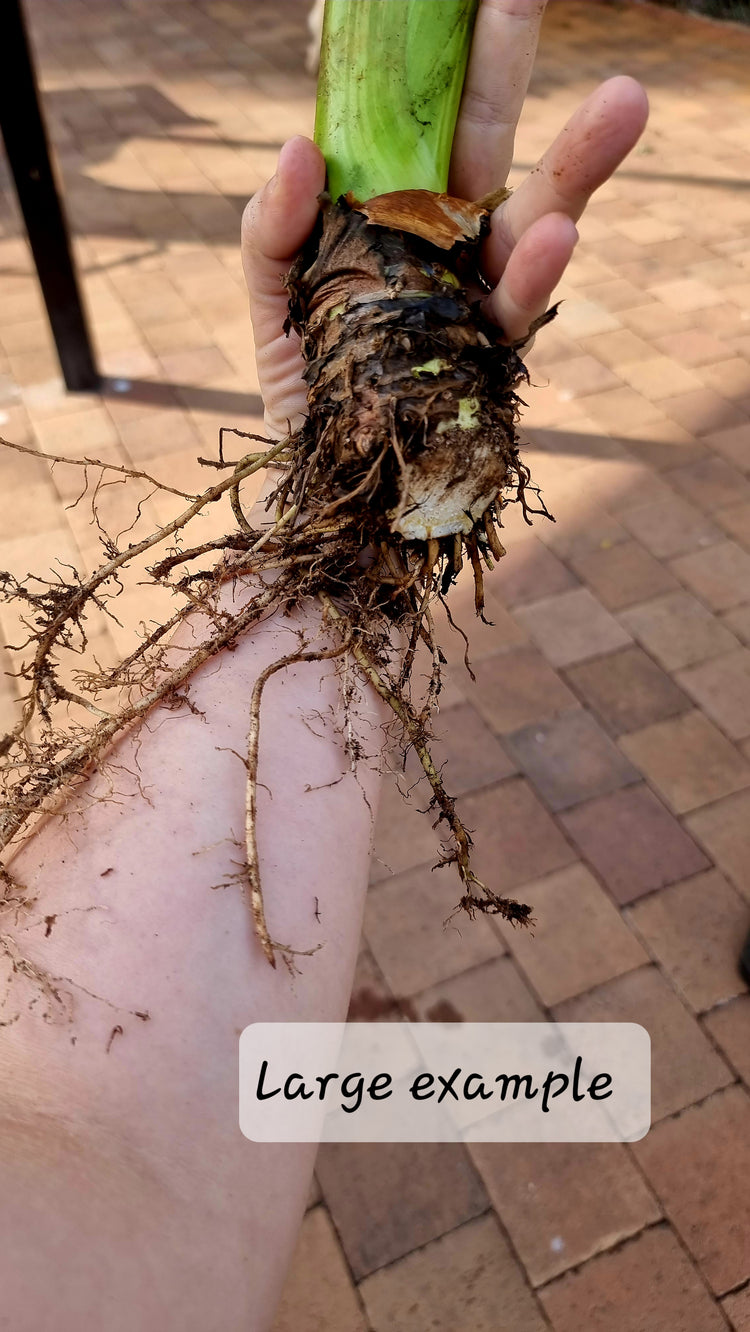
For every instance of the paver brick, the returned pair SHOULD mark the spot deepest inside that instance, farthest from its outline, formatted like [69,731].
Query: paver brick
[405,929]
[319,1293]
[721,687]
[518,688]
[492,992]
[697,1163]
[684,1066]
[387,1201]
[626,690]
[570,759]
[527,572]
[624,574]
[465,747]
[688,761]
[720,575]
[696,930]
[579,938]
[633,842]
[571,627]
[647,1284]
[729,1026]
[711,483]
[467,1281]
[723,829]
[678,630]
[669,528]
[563,1202]
[737,1309]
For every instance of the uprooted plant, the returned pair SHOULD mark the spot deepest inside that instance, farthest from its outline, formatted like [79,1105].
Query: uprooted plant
[400,473]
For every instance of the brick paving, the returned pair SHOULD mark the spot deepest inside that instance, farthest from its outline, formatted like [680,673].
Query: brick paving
[602,755]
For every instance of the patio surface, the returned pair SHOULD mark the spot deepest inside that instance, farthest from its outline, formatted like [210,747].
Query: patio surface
[603,755]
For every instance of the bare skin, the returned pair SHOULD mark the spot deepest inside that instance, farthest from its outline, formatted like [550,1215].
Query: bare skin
[128,1197]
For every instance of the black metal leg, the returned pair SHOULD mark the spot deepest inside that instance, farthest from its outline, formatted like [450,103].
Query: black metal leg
[26,144]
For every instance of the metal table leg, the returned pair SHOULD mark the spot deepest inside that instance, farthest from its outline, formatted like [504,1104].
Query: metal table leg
[27,148]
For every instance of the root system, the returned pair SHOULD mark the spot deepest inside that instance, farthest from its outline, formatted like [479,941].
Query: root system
[400,473]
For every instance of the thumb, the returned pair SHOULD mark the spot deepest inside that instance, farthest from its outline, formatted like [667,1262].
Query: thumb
[276,223]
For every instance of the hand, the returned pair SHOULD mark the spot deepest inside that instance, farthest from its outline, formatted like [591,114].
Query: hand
[533,232]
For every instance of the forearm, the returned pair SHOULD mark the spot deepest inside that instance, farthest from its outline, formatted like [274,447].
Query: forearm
[179,1221]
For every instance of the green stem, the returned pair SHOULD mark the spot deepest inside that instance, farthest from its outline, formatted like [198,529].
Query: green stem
[391,76]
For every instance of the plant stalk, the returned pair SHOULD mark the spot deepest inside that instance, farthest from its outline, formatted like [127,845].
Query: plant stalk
[389,88]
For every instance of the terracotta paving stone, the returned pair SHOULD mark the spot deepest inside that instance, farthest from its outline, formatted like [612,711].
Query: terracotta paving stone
[563,1202]
[469,751]
[737,1309]
[647,1284]
[659,377]
[702,411]
[720,575]
[386,1201]
[624,574]
[501,634]
[515,839]
[580,375]
[517,688]
[730,377]
[711,484]
[491,992]
[580,529]
[691,346]
[738,622]
[616,483]
[697,1164]
[696,929]
[729,1025]
[585,319]
[404,927]
[688,761]
[467,1281]
[569,759]
[733,445]
[404,836]
[571,627]
[617,348]
[649,321]
[633,842]
[615,294]
[371,998]
[671,528]
[157,433]
[622,404]
[736,521]
[684,1066]
[626,690]
[724,830]
[529,571]
[721,687]
[319,1294]
[579,939]
[686,294]
[678,630]
[663,445]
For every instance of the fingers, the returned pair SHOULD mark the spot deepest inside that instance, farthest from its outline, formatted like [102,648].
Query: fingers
[500,64]
[275,224]
[531,274]
[592,145]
